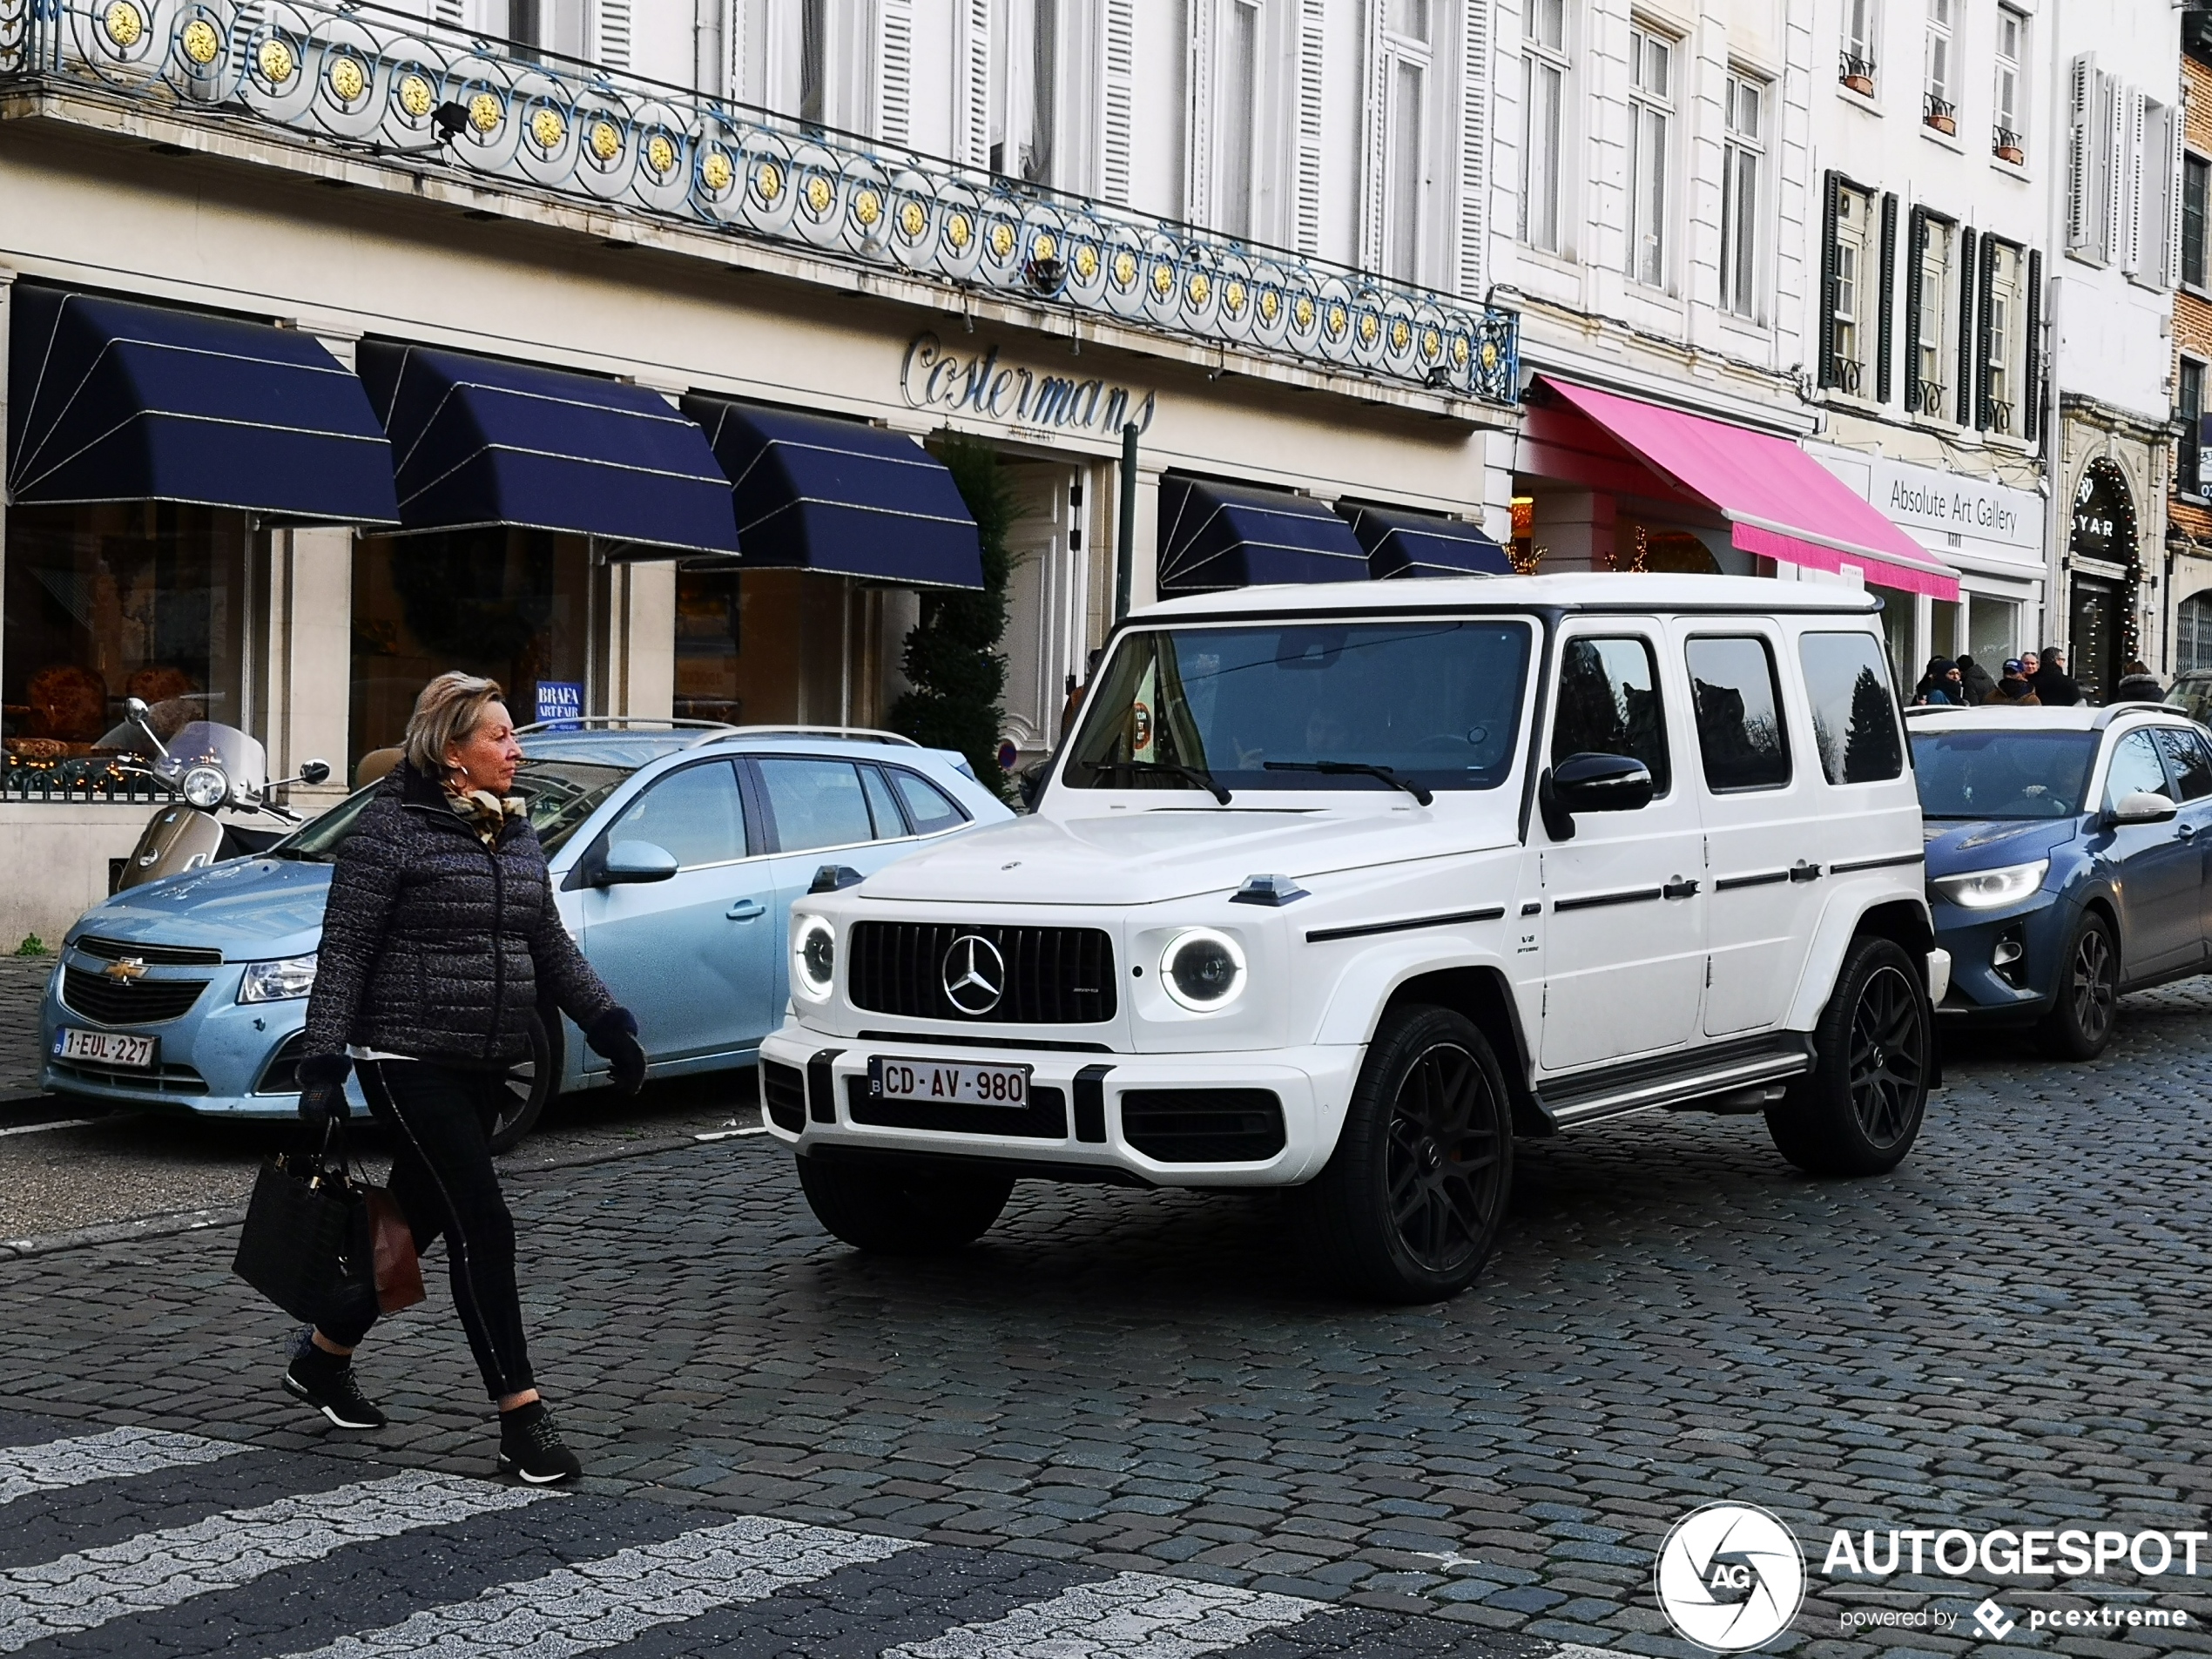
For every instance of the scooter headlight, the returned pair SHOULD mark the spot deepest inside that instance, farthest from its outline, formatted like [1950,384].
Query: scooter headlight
[1202,970]
[206,787]
[814,958]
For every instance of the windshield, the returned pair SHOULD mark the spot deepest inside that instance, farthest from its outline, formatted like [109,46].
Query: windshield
[562,794]
[1437,702]
[2002,774]
[204,742]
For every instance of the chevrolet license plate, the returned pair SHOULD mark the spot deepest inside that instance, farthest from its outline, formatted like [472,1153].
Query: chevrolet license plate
[104,1047]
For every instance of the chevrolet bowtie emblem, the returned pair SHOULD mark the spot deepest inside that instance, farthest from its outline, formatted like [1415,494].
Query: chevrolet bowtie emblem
[973,975]
[130,968]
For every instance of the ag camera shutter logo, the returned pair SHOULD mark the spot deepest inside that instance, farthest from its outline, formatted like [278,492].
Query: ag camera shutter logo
[1730,1578]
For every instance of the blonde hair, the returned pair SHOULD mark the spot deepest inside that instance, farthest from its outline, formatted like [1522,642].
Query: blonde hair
[445,714]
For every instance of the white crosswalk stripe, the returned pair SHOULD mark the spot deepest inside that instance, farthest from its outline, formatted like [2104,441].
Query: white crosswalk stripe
[1132,1615]
[601,1603]
[116,1455]
[162,1569]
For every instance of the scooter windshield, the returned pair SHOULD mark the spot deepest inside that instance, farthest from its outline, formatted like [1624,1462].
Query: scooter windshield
[204,742]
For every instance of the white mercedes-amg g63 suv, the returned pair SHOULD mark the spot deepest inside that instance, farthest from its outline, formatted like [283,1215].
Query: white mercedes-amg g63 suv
[1342,888]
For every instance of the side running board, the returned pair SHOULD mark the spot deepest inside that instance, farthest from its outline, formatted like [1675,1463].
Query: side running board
[1584,1097]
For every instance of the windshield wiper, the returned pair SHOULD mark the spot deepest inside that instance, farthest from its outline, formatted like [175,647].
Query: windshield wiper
[1361,768]
[1198,775]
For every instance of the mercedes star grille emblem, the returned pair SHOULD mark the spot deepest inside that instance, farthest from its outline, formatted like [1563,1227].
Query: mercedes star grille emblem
[973,975]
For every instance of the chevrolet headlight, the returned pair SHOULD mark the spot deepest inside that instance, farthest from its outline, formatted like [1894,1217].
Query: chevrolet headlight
[814,958]
[1202,970]
[1988,889]
[282,981]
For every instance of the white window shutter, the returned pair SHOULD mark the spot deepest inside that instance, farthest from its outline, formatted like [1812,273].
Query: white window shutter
[895,25]
[1372,136]
[2112,170]
[974,125]
[1197,153]
[1474,110]
[444,12]
[613,20]
[1312,48]
[2175,148]
[2131,200]
[2079,152]
[1120,112]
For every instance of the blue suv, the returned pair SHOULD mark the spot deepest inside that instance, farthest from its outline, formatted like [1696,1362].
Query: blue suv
[2068,854]
[675,850]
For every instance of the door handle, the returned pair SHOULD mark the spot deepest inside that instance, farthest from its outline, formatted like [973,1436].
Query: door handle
[1678,888]
[2185,832]
[1801,870]
[746,910]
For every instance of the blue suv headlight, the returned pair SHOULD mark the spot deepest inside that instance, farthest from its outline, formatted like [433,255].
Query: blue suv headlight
[1988,889]
[279,982]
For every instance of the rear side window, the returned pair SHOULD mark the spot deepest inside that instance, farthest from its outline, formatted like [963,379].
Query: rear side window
[694,815]
[1739,706]
[1854,713]
[815,803]
[889,825]
[2134,769]
[1608,703]
[2192,764]
[931,809]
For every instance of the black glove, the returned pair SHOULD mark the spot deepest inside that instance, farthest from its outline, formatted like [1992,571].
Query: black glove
[613,1036]
[322,1092]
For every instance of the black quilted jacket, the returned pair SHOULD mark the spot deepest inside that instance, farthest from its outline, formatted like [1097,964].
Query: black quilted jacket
[436,946]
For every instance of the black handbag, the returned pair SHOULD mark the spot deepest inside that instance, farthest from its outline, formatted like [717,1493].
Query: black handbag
[307,1243]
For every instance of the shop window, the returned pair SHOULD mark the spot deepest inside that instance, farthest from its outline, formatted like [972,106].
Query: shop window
[776,648]
[1739,708]
[145,599]
[1543,120]
[1743,161]
[1651,105]
[1854,715]
[1608,703]
[1993,630]
[513,605]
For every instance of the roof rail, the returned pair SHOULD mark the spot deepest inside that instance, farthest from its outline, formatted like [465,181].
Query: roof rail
[857,733]
[701,730]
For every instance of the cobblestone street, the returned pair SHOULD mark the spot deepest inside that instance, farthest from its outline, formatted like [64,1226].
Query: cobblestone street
[2006,1332]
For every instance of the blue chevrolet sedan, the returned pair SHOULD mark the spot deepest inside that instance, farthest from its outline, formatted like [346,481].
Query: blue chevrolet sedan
[675,851]
[2068,857]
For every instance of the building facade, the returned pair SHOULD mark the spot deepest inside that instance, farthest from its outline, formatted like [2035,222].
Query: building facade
[2188,611]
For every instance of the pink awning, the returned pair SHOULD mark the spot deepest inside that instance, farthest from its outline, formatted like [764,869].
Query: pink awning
[1779,501]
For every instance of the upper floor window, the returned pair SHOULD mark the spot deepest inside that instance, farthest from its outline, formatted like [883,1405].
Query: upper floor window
[1939,108]
[2196,188]
[2188,459]
[2008,140]
[1849,324]
[1855,67]
[1543,106]
[1235,116]
[2003,340]
[814,62]
[1742,165]
[1407,48]
[1037,155]
[1933,286]
[1651,105]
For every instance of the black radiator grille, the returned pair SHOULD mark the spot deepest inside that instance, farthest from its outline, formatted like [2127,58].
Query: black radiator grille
[1051,975]
[128,1001]
[116,950]
[1204,1125]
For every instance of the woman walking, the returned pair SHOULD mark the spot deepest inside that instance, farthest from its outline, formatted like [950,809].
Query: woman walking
[440,939]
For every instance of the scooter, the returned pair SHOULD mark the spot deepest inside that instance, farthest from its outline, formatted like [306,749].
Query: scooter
[218,769]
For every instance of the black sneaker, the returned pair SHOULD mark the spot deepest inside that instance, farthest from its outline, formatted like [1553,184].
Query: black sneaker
[326,1382]
[530,1447]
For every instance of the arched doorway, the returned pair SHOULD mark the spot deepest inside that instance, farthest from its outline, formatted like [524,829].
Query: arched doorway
[2101,611]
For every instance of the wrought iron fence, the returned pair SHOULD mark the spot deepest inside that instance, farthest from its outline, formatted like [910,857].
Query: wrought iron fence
[91,780]
[375,81]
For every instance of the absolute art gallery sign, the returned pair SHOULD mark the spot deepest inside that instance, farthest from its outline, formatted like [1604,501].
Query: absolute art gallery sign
[932,377]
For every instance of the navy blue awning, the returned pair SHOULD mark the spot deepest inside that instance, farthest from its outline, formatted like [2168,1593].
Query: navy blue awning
[815,493]
[1215,536]
[477,441]
[109,401]
[1402,544]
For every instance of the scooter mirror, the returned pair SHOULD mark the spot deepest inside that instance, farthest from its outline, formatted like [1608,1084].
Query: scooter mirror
[136,708]
[314,772]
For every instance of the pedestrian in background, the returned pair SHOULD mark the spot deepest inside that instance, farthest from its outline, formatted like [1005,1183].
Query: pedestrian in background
[1975,679]
[1940,685]
[2054,688]
[2014,691]
[2138,685]
[439,938]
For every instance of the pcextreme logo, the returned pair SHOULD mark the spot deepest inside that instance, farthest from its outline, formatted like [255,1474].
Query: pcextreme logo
[1730,1578]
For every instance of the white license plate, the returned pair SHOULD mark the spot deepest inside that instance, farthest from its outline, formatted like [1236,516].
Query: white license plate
[102,1048]
[951,1082]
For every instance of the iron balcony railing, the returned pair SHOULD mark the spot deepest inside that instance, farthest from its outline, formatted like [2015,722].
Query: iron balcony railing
[380,83]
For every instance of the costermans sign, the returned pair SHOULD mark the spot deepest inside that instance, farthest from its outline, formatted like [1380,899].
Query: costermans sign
[932,377]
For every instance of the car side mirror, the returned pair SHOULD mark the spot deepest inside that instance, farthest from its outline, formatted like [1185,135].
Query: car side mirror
[314,772]
[2141,806]
[1591,783]
[627,863]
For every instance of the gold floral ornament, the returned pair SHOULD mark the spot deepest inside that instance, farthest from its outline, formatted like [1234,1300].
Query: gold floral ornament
[1124,268]
[348,80]
[1271,305]
[867,207]
[1459,350]
[1044,247]
[606,141]
[1232,298]
[716,172]
[1336,323]
[1087,262]
[1198,288]
[276,62]
[1163,279]
[958,230]
[124,23]
[199,43]
[549,129]
[818,195]
[1368,328]
[1489,353]
[660,154]
[1401,335]
[484,113]
[768,181]
[416,96]
[1432,343]
[1002,240]
[1302,312]
[913,220]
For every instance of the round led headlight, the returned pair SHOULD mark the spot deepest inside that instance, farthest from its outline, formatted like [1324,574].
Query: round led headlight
[206,787]
[814,958]
[1202,970]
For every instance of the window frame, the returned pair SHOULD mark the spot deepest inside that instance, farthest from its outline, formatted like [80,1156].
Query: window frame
[1860,52]
[2189,447]
[1741,246]
[1541,56]
[1863,241]
[1940,233]
[1938,66]
[1781,714]
[2196,225]
[2004,348]
[1402,52]
[2009,114]
[1650,112]
[1663,779]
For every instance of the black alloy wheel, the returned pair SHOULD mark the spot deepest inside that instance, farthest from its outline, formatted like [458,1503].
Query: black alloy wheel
[1888,1075]
[1443,1165]
[526,1086]
[2087,1010]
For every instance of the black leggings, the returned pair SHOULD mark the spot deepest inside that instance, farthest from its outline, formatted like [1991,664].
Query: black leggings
[440,1120]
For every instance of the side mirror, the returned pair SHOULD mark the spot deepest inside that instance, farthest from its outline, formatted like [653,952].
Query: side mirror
[136,708]
[629,862]
[314,772]
[2141,806]
[835,878]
